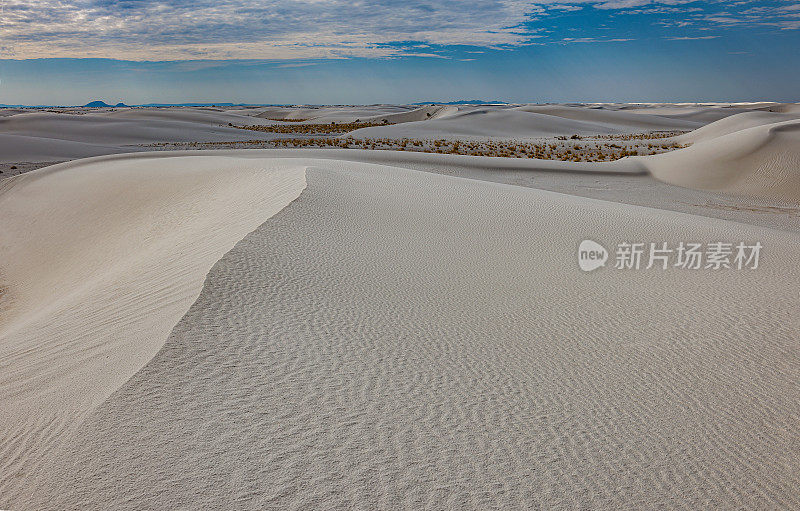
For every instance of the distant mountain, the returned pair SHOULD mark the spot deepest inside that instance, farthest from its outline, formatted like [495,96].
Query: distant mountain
[96,104]
[120,105]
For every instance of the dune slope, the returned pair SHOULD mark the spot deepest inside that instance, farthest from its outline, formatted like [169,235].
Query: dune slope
[618,118]
[735,123]
[401,340]
[98,261]
[758,161]
[480,123]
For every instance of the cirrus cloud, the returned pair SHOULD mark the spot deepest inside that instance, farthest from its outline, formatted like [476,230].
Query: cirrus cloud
[144,30]
[245,29]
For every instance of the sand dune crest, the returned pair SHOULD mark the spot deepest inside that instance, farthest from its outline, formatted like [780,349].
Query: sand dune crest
[99,261]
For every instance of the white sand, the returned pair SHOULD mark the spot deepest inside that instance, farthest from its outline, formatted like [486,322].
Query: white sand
[620,119]
[327,114]
[47,136]
[68,133]
[99,261]
[393,339]
[754,157]
[735,123]
[480,123]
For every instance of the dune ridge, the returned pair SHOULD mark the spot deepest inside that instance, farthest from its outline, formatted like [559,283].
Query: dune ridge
[748,156]
[98,261]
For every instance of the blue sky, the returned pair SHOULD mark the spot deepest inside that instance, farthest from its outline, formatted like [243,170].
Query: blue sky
[371,51]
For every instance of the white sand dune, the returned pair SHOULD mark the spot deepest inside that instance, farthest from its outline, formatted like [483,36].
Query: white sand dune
[526,122]
[80,132]
[758,161]
[625,120]
[48,136]
[98,261]
[200,116]
[482,123]
[18,148]
[390,339]
[114,129]
[402,340]
[735,123]
[786,108]
[385,338]
[418,114]
[701,112]
[698,113]
[5,112]
[327,114]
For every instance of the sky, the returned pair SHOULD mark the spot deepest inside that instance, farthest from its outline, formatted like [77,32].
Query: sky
[69,52]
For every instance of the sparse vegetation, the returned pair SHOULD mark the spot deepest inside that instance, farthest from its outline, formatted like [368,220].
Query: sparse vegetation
[587,151]
[313,128]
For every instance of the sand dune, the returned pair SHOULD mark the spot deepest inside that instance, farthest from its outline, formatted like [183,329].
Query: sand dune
[622,119]
[395,339]
[327,114]
[115,129]
[80,132]
[19,148]
[99,260]
[203,116]
[385,338]
[786,108]
[47,136]
[481,123]
[527,121]
[759,161]
[418,114]
[698,113]
[735,123]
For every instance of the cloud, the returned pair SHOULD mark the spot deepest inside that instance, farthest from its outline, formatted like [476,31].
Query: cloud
[296,64]
[263,29]
[594,40]
[303,30]
[622,4]
[697,38]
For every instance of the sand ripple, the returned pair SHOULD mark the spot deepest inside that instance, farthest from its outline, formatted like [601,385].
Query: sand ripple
[400,340]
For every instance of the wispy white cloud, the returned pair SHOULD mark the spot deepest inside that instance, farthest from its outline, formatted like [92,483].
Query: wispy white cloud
[207,30]
[263,29]
[594,40]
[697,38]
[296,64]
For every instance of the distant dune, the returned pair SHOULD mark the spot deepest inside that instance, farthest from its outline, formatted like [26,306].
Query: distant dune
[524,122]
[42,136]
[736,123]
[748,154]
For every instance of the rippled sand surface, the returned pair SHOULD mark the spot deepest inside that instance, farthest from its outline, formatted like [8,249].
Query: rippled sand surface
[399,340]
